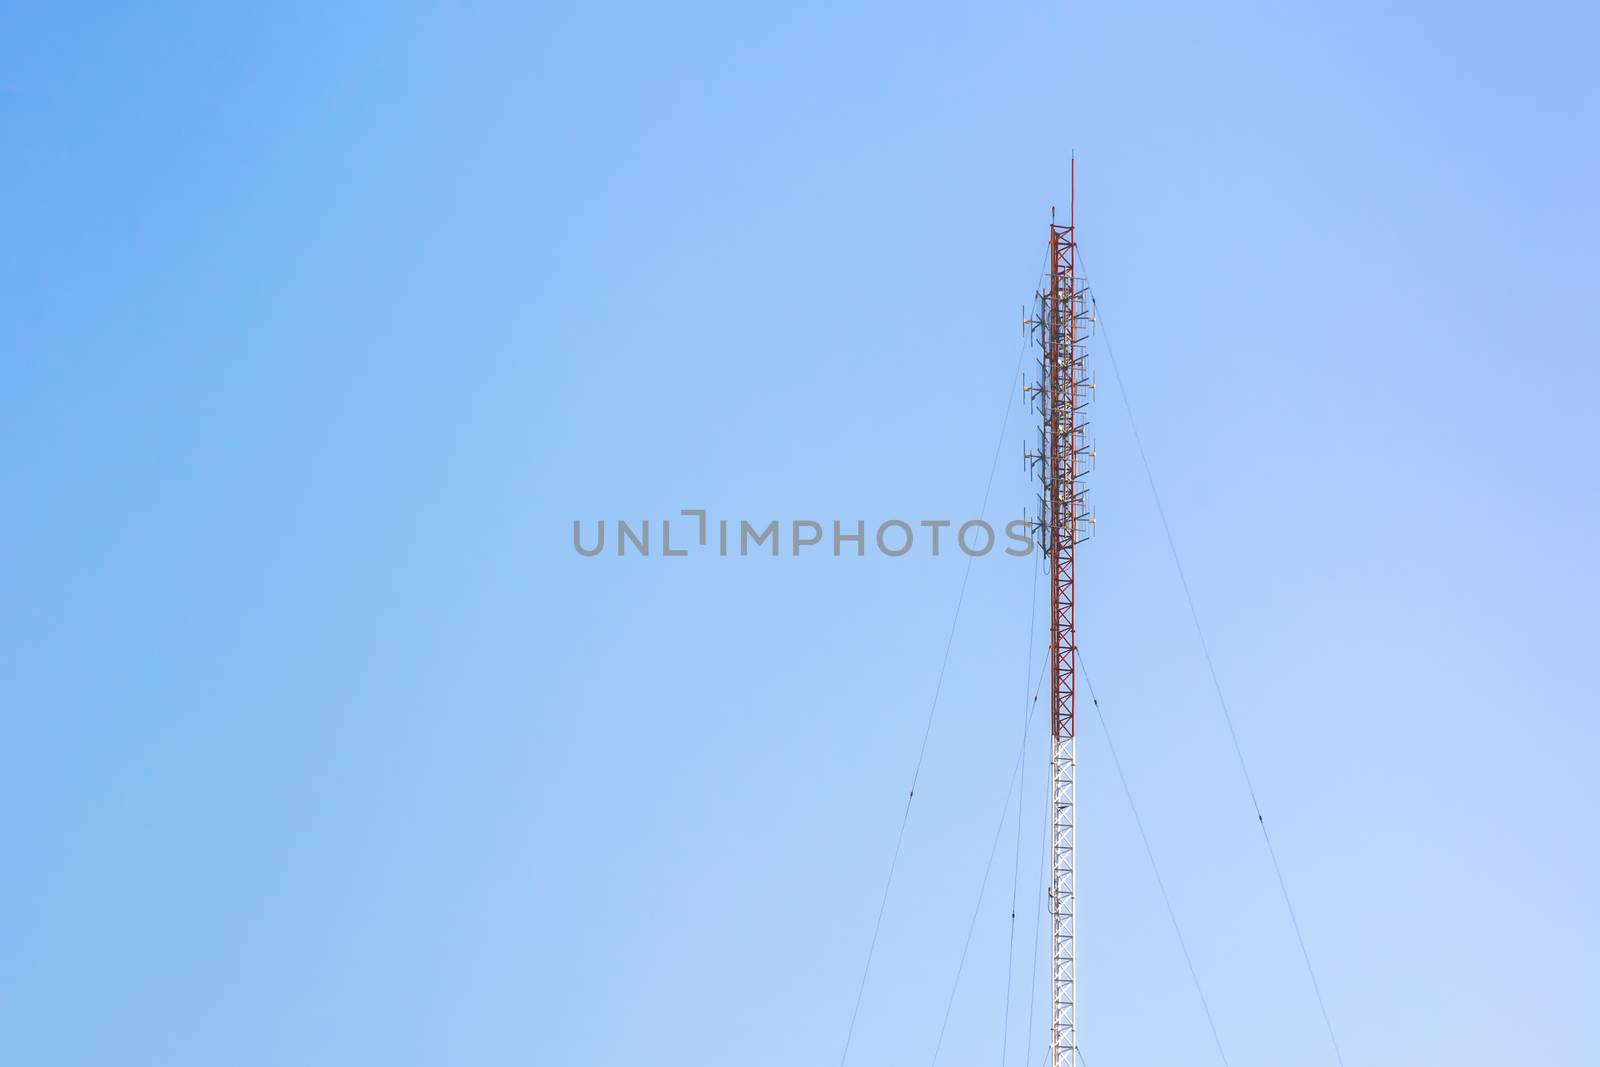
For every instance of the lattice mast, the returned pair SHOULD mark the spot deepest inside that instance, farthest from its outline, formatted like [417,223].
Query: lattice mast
[1064,457]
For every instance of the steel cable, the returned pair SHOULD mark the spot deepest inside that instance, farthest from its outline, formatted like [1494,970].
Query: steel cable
[1011,789]
[1216,682]
[933,707]
[1161,883]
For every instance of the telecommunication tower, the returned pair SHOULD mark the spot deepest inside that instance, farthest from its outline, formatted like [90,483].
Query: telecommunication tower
[1064,522]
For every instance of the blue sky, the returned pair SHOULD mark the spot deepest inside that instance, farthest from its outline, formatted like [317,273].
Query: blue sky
[319,327]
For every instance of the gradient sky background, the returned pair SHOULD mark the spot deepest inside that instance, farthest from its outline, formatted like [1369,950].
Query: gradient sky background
[319,326]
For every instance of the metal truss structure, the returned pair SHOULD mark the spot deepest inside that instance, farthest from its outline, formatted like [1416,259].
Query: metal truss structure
[1064,522]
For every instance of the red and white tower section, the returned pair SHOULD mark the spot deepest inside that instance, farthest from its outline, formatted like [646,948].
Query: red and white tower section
[1064,457]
